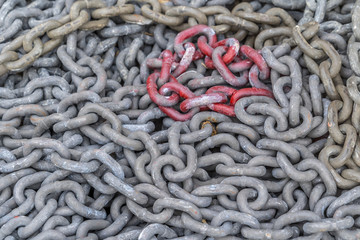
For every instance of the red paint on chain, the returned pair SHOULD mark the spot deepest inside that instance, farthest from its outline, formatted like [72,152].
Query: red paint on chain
[232,49]
[203,100]
[178,88]
[219,107]
[238,94]
[204,47]
[181,90]
[155,96]
[209,63]
[224,70]
[222,108]
[226,56]
[256,57]
[247,92]
[254,78]
[240,66]
[186,59]
[191,32]
[223,89]
[168,59]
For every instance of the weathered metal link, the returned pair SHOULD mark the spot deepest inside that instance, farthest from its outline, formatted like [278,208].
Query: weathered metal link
[148,119]
[173,17]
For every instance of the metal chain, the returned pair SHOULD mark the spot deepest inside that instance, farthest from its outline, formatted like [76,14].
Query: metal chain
[341,151]
[88,150]
[151,11]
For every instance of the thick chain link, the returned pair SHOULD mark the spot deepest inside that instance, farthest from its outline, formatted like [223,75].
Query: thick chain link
[94,15]
[87,153]
[342,148]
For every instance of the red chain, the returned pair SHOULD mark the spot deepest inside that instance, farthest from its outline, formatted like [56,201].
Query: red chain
[226,56]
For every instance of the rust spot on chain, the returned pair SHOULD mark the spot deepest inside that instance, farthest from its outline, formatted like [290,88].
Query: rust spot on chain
[209,122]
[211,119]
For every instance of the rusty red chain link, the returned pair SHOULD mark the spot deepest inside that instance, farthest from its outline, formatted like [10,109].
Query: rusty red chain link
[226,56]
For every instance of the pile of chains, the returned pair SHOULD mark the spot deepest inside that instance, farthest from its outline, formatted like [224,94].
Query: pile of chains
[214,97]
[179,119]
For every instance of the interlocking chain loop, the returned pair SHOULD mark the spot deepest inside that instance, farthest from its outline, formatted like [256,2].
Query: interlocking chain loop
[79,18]
[245,125]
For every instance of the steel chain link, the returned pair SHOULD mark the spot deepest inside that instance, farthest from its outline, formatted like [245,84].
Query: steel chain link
[86,153]
[78,18]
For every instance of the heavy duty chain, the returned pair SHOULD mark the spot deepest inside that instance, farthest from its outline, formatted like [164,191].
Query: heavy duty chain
[214,97]
[79,17]
[179,119]
[341,153]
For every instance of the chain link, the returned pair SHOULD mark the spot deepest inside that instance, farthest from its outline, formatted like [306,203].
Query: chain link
[152,10]
[87,153]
